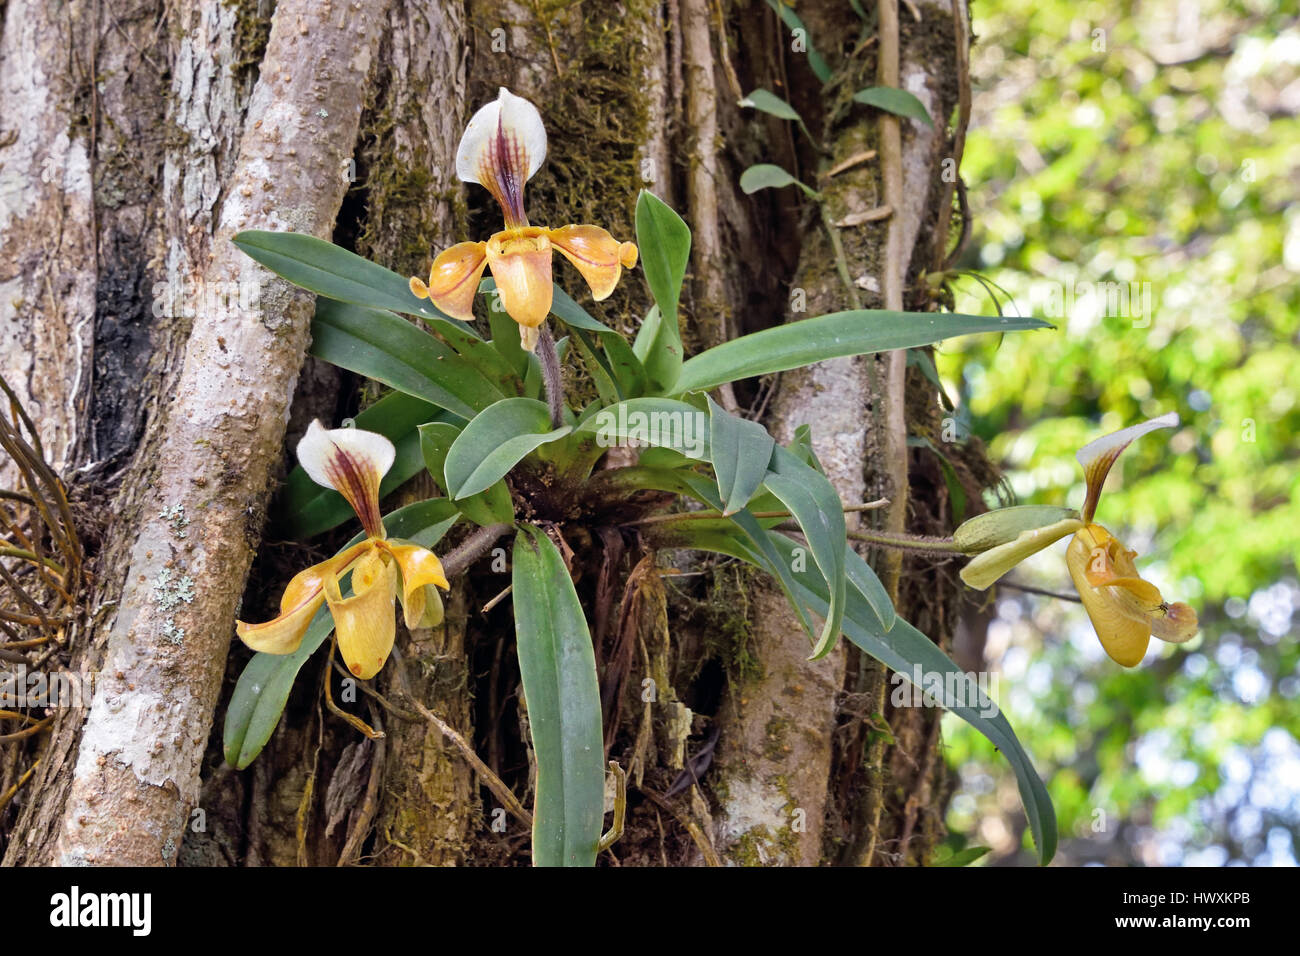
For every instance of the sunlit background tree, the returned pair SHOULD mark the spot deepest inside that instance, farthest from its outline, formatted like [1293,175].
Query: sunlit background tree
[1149,149]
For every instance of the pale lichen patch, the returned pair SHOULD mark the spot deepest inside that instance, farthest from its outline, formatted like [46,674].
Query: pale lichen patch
[172,594]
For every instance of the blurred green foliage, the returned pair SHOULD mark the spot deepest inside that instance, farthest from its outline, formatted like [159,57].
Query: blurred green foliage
[1153,146]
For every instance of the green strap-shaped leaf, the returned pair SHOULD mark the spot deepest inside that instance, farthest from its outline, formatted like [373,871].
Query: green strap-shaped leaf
[558,669]
[962,857]
[665,247]
[857,332]
[956,493]
[567,310]
[493,506]
[863,586]
[332,271]
[741,450]
[767,176]
[627,369]
[602,374]
[495,441]
[505,333]
[659,422]
[306,509]
[863,581]
[862,578]
[768,102]
[902,648]
[898,102]
[646,334]
[387,348]
[811,498]
[791,19]
[765,554]
[263,688]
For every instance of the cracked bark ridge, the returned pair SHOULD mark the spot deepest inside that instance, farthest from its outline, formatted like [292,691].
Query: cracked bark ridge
[47,243]
[137,771]
[775,751]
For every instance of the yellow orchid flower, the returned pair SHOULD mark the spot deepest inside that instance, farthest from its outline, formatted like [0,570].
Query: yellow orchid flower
[503,147]
[1124,609]
[353,462]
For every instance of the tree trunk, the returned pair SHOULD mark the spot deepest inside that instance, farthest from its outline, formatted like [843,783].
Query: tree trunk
[166,402]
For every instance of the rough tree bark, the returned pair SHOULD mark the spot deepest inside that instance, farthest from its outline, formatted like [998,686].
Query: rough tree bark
[167,412]
[783,799]
[136,777]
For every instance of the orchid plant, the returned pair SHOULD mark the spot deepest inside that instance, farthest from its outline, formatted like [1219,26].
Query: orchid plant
[477,401]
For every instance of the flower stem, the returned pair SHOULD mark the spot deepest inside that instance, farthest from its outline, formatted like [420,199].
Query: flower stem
[906,542]
[714,515]
[551,377]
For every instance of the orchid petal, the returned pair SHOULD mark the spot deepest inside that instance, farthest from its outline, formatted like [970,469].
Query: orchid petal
[1175,623]
[351,461]
[596,254]
[364,622]
[298,605]
[520,261]
[503,147]
[431,614]
[1124,609]
[454,278]
[1097,456]
[987,567]
[421,572]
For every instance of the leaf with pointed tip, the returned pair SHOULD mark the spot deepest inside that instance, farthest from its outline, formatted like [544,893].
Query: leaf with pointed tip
[768,102]
[898,102]
[496,440]
[811,498]
[962,857]
[856,332]
[741,451]
[329,270]
[791,19]
[767,176]
[493,506]
[665,247]
[387,348]
[909,653]
[557,668]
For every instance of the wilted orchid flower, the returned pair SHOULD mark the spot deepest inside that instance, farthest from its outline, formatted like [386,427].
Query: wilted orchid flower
[503,147]
[1125,610]
[353,462]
